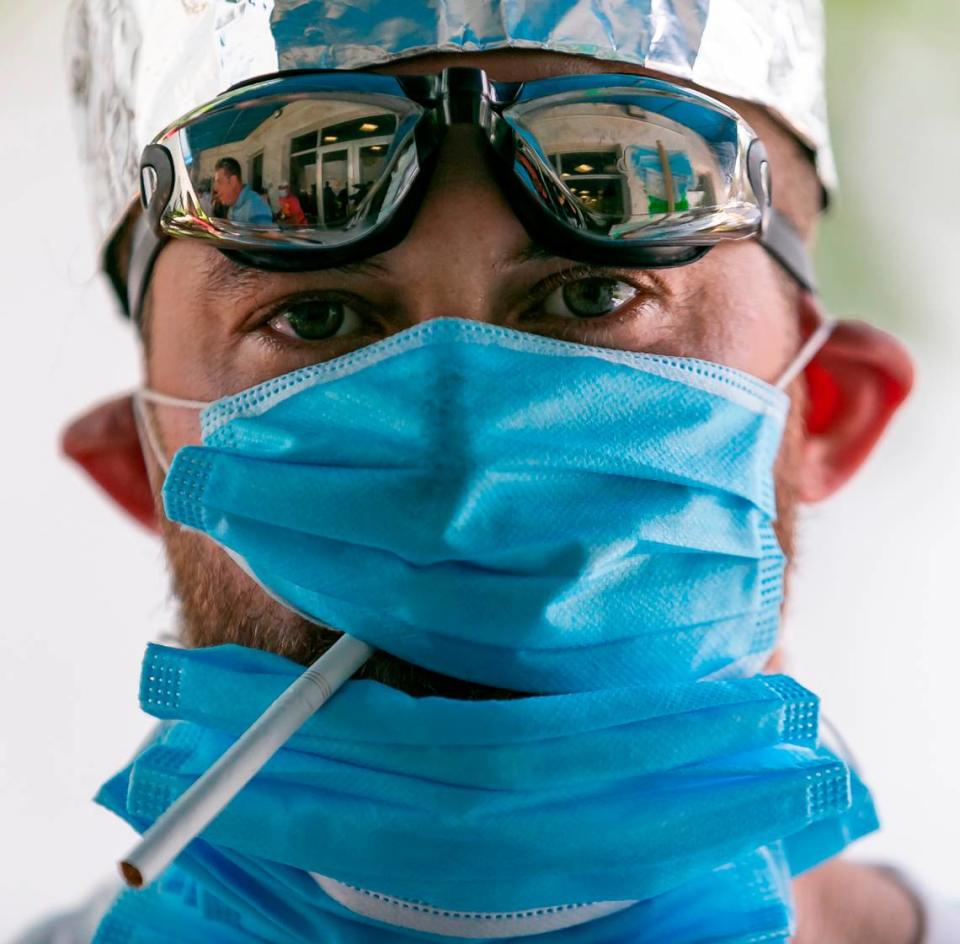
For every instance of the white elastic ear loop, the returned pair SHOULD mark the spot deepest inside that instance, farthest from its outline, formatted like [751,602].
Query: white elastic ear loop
[145,425]
[806,354]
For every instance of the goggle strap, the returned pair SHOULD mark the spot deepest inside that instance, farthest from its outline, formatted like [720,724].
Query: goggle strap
[157,183]
[786,245]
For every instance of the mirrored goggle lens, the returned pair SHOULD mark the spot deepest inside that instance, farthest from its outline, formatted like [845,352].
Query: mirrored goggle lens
[304,172]
[634,166]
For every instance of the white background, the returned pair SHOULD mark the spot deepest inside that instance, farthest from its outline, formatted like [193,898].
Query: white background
[873,623]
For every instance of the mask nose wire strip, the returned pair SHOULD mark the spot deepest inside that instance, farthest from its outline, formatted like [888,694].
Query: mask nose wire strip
[806,353]
[194,810]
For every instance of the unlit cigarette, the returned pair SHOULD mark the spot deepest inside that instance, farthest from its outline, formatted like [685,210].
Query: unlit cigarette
[191,813]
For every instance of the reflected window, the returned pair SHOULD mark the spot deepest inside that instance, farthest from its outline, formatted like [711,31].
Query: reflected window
[587,163]
[304,142]
[303,172]
[373,160]
[350,156]
[256,173]
[595,179]
[358,129]
[336,176]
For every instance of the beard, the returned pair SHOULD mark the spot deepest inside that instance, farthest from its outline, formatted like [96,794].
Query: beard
[219,603]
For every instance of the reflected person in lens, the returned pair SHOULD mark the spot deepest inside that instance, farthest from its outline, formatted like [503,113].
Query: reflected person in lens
[243,204]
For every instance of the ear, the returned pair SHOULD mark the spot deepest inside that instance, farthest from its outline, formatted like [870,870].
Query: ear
[854,386]
[104,443]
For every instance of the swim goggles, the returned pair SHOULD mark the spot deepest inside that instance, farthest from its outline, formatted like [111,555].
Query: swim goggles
[614,169]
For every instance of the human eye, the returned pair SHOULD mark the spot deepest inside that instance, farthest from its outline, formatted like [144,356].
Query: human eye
[587,297]
[315,318]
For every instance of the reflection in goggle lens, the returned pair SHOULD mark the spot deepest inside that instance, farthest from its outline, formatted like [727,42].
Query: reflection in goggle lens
[623,170]
[324,170]
[613,169]
[307,170]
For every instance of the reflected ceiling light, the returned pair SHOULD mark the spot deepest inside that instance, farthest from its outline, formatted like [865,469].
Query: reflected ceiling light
[369,126]
[329,137]
[377,147]
[583,168]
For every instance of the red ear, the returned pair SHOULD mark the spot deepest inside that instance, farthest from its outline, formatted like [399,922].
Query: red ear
[854,386]
[104,443]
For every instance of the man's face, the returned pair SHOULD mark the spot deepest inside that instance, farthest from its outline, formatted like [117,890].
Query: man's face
[216,328]
[226,187]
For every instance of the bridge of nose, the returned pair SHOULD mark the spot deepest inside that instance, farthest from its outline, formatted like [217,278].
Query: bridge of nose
[451,260]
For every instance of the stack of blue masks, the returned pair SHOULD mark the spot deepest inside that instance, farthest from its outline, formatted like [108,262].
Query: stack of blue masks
[527,513]
[646,809]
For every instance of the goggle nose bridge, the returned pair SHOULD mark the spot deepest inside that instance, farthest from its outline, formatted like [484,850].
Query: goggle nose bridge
[461,95]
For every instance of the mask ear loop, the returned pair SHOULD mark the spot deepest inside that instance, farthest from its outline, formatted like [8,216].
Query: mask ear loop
[145,425]
[806,353]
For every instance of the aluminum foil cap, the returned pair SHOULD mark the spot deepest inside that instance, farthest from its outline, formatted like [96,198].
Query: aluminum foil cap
[138,65]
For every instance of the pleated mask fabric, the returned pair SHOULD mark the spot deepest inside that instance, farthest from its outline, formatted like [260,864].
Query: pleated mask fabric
[641,801]
[506,508]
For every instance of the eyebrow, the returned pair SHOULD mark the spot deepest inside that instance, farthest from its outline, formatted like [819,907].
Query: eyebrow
[531,252]
[224,275]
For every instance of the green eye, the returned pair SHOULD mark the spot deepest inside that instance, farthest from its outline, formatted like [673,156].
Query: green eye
[588,298]
[314,319]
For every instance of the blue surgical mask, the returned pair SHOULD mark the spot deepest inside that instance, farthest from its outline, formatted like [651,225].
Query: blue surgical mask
[530,514]
[505,508]
[648,814]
